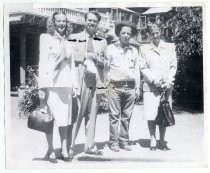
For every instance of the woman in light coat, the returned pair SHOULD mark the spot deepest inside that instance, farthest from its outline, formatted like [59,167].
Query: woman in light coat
[56,79]
[158,66]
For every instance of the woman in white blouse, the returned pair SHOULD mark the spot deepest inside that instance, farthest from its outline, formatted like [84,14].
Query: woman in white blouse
[56,79]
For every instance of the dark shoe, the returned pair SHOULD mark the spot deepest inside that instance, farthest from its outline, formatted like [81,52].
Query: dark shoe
[93,151]
[115,147]
[65,157]
[164,148]
[126,146]
[50,156]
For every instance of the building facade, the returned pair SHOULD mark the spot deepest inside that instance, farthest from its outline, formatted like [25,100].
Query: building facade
[25,26]
[27,22]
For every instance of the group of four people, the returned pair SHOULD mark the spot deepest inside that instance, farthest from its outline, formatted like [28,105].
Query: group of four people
[75,68]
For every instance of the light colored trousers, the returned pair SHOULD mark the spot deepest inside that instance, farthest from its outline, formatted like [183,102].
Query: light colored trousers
[88,109]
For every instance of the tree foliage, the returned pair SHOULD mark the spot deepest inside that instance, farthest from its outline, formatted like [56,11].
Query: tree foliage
[188,37]
[187,23]
[30,99]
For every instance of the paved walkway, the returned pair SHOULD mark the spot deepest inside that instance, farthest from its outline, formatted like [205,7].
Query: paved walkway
[26,147]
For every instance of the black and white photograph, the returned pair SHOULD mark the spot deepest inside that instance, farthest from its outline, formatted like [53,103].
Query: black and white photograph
[104,85]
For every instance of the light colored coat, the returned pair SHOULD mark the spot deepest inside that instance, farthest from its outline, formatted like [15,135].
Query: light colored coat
[56,62]
[79,44]
[158,63]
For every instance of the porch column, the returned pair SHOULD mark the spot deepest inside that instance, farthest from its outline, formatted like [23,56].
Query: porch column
[120,16]
[139,22]
[111,15]
[131,18]
[22,59]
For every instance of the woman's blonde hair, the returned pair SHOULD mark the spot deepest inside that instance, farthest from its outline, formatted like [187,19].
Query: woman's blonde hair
[51,25]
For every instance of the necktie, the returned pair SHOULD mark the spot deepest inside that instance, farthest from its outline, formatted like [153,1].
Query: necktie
[90,47]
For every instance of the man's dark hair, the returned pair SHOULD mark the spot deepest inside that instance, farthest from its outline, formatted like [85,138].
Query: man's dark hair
[94,13]
[125,23]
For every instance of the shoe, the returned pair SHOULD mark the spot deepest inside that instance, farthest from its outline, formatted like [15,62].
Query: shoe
[164,148]
[153,145]
[71,154]
[126,146]
[115,147]
[50,156]
[65,157]
[93,151]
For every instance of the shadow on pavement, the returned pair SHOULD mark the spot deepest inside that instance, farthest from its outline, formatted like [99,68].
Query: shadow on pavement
[102,159]
[145,143]
[101,145]
[88,158]
[79,148]
[40,159]
[57,154]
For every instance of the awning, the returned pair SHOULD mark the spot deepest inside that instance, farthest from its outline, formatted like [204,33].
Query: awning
[17,18]
[154,10]
[128,10]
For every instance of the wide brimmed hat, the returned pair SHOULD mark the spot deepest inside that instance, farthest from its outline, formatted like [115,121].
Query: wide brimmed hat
[125,23]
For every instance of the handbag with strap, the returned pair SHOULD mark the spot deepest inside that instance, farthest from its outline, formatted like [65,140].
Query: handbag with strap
[165,115]
[41,120]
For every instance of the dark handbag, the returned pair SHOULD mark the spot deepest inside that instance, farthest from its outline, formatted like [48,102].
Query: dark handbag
[41,121]
[165,115]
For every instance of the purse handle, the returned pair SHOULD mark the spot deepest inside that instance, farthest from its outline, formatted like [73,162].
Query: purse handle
[44,107]
[163,96]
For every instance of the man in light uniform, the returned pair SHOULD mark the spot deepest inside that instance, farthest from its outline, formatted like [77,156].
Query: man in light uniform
[89,53]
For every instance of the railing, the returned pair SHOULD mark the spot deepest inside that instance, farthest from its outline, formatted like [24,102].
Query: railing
[74,15]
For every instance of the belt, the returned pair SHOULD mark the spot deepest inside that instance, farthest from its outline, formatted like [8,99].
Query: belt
[120,84]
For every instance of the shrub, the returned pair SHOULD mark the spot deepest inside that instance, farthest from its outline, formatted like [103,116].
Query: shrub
[29,100]
[188,89]
[103,105]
